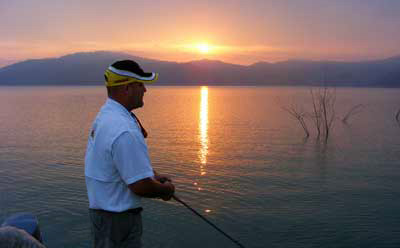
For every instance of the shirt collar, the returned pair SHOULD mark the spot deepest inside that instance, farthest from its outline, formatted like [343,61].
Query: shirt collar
[116,106]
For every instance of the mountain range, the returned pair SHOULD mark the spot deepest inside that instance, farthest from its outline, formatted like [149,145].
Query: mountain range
[87,68]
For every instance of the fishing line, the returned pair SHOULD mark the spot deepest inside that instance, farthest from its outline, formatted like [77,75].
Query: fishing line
[206,220]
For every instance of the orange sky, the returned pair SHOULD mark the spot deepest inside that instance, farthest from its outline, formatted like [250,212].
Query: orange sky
[241,32]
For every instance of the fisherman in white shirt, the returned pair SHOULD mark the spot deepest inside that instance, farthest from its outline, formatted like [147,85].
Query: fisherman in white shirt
[118,170]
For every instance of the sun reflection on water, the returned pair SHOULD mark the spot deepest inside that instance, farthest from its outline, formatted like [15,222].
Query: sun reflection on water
[203,128]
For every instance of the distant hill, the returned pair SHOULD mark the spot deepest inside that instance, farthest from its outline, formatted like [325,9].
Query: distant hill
[87,69]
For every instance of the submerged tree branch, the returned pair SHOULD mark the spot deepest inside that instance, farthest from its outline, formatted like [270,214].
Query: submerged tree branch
[297,113]
[353,111]
[316,114]
[324,101]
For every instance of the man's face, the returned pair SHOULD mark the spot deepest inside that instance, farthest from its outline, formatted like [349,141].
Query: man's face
[135,94]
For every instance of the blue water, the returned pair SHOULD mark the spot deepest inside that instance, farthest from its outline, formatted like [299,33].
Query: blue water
[235,156]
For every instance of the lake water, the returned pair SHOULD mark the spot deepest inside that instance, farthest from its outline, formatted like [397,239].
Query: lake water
[234,155]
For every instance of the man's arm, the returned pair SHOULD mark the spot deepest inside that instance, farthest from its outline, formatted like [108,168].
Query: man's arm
[151,188]
[133,164]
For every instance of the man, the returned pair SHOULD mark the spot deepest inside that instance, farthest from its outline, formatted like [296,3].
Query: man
[118,171]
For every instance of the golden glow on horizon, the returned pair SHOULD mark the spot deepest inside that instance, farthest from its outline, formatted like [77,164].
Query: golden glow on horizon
[182,51]
[203,128]
[203,48]
[215,31]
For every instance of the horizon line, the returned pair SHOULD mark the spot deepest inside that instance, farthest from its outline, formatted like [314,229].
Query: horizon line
[196,60]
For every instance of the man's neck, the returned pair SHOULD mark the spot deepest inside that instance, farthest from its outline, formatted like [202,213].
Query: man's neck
[121,101]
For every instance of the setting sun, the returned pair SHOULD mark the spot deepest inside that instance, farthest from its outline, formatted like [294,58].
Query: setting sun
[203,48]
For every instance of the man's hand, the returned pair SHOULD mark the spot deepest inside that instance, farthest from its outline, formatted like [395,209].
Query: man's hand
[167,182]
[171,189]
[151,188]
[162,178]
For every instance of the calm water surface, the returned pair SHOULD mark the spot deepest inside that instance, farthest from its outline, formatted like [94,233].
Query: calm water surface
[234,155]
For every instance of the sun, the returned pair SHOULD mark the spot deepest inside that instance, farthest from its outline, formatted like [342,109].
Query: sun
[203,48]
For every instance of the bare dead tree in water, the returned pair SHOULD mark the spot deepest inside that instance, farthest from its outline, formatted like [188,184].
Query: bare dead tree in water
[299,114]
[353,111]
[316,115]
[323,111]
[323,114]
[327,100]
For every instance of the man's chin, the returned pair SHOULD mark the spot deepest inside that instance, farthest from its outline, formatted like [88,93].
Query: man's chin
[139,105]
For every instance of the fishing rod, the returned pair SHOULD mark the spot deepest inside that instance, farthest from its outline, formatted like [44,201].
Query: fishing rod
[206,220]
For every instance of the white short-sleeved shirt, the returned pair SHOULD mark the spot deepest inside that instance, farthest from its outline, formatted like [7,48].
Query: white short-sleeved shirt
[116,156]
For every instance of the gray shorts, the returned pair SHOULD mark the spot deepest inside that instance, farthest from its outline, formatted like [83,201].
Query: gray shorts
[116,230]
